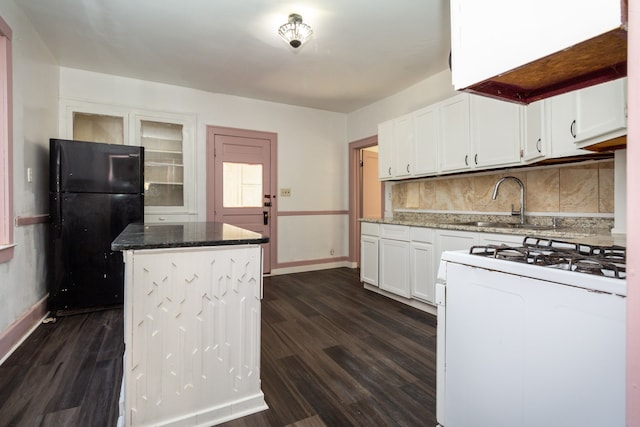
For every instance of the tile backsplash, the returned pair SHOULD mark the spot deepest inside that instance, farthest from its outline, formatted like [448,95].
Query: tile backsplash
[586,187]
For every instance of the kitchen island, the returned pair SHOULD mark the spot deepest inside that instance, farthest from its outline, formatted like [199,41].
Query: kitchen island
[192,323]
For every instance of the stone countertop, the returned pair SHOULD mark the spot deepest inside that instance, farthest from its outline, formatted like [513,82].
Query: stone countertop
[184,234]
[588,233]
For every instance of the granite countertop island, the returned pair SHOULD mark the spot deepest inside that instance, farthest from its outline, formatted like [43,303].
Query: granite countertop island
[184,234]
[192,313]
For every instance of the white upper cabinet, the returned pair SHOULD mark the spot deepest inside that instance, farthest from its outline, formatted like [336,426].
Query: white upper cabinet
[535,132]
[408,145]
[403,152]
[587,116]
[491,37]
[479,132]
[455,139]
[426,137]
[495,132]
[385,150]
[600,112]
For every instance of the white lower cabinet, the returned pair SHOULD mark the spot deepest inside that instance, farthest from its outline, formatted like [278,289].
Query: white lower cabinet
[369,242]
[404,260]
[422,262]
[394,260]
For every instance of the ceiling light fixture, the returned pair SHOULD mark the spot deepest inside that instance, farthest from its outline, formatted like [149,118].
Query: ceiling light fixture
[295,32]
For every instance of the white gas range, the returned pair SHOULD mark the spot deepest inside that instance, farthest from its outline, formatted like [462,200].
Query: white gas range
[532,336]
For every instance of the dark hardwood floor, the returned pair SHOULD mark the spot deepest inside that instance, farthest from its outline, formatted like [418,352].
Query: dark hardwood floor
[333,354]
[66,373]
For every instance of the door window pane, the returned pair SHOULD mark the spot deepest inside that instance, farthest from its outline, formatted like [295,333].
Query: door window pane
[98,128]
[163,163]
[242,185]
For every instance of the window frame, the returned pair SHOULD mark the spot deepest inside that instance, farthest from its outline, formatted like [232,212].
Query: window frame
[6,144]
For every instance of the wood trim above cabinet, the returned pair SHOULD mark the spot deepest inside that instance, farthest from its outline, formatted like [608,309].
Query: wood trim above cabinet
[609,145]
[597,60]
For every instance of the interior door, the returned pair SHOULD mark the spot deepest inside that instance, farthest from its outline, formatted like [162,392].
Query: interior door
[242,193]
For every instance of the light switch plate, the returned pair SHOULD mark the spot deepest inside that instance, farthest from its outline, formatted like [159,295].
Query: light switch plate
[285,192]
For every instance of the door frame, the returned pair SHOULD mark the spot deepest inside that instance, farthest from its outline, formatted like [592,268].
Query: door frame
[355,205]
[212,131]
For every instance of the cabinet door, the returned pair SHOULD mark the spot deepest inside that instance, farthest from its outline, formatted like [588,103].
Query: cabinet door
[600,110]
[535,140]
[369,260]
[495,132]
[385,150]
[455,143]
[561,113]
[422,272]
[87,121]
[169,167]
[394,267]
[587,116]
[426,139]
[403,147]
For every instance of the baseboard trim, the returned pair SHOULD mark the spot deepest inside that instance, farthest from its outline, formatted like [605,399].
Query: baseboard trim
[303,267]
[21,328]
[428,308]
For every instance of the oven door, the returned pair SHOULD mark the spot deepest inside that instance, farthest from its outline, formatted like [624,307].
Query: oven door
[527,352]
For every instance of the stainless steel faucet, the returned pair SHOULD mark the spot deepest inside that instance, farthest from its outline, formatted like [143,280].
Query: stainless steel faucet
[495,194]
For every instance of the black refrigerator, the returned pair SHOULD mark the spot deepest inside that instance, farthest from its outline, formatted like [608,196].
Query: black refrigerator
[95,191]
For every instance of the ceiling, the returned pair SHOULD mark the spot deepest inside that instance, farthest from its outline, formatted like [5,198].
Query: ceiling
[361,50]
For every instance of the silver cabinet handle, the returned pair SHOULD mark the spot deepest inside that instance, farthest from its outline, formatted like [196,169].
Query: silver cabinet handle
[389,170]
[539,145]
[475,159]
[572,129]
[466,160]
[408,168]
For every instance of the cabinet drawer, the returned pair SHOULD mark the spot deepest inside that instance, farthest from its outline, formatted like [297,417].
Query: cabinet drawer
[394,232]
[499,239]
[370,229]
[422,234]
[163,218]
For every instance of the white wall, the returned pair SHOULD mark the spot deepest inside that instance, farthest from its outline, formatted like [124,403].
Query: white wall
[35,120]
[363,123]
[312,158]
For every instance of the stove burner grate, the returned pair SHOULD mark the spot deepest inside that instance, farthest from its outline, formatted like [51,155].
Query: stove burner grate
[606,261]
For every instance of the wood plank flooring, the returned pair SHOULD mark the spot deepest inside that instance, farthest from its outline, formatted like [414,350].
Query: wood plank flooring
[333,354]
[66,373]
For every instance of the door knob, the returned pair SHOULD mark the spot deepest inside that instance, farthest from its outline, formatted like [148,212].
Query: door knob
[265,217]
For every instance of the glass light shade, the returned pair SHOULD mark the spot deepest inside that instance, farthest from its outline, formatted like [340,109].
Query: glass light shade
[295,32]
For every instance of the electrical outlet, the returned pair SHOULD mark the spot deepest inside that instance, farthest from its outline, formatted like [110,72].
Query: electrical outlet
[285,192]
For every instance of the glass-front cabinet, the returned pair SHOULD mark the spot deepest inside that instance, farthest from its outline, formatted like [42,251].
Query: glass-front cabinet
[163,164]
[169,177]
[169,143]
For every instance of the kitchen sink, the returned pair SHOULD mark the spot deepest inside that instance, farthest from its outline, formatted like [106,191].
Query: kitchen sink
[486,224]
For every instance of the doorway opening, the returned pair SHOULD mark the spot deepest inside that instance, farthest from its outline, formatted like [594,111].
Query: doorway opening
[366,192]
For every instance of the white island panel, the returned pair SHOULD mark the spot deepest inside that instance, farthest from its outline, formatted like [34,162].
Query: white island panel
[192,335]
